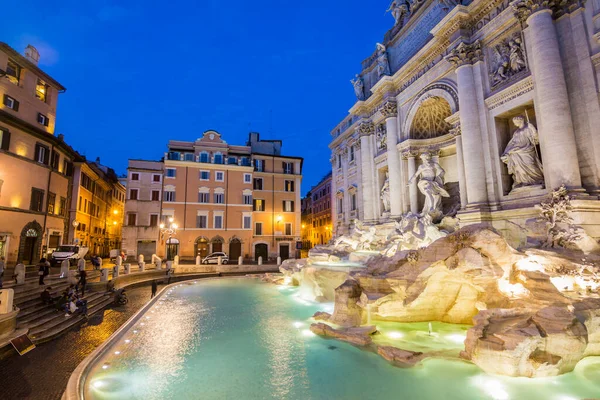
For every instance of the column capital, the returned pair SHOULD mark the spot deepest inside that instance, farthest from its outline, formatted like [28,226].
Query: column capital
[526,8]
[409,154]
[389,109]
[366,128]
[455,131]
[465,54]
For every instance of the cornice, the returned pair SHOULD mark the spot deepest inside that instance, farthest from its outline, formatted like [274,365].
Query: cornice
[512,92]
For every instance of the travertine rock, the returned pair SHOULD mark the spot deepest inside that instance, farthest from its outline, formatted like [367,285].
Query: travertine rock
[357,336]
[321,316]
[347,312]
[399,357]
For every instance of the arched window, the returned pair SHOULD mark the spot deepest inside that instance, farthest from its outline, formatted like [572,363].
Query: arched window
[218,158]
[204,157]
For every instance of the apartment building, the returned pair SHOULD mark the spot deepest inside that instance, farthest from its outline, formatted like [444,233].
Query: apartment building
[97,207]
[243,200]
[144,184]
[316,223]
[36,167]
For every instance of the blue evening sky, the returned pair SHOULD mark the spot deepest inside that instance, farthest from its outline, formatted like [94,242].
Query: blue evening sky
[141,72]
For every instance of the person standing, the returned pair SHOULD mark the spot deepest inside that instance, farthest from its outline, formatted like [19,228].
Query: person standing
[82,281]
[154,287]
[43,270]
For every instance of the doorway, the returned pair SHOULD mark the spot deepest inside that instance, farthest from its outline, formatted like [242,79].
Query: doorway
[261,250]
[172,249]
[29,251]
[284,251]
[202,247]
[235,250]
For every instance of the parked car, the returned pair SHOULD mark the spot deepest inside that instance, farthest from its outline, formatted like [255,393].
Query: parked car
[214,258]
[71,252]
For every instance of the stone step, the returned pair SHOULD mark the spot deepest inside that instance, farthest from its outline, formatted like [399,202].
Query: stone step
[27,299]
[67,323]
[45,316]
[60,319]
[24,294]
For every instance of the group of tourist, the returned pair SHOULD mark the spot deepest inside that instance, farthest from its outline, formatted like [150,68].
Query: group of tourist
[70,301]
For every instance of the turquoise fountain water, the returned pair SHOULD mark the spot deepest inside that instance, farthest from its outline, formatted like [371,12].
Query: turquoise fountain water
[243,339]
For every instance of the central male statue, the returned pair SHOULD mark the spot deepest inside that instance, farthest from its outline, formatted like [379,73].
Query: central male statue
[431,184]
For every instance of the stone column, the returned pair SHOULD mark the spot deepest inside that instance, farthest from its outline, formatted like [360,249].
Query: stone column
[460,166]
[390,113]
[366,129]
[413,190]
[557,135]
[463,57]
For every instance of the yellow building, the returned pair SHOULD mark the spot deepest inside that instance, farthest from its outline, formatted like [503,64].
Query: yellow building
[96,212]
[316,215]
[242,200]
[35,165]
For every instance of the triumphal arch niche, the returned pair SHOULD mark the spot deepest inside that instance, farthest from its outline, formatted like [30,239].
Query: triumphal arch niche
[475,108]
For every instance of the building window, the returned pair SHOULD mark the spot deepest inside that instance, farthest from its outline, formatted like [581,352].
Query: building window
[232,161]
[218,159]
[171,172]
[288,206]
[4,140]
[13,72]
[353,202]
[132,219]
[133,194]
[258,229]
[153,219]
[188,157]
[258,184]
[42,119]
[218,222]
[51,202]
[204,157]
[245,162]
[351,153]
[156,195]
[289,186]
[219,176]
[204,175]
[340,205]
[202,221]
[339,161]
[135,176]
[247,199]
[288,167]
[11,103]
[247,222]
[37,200]
[62,208]
[219,198]
[169,195]
[259,165]
[203,197]
[247,178]
[174,156]
[41,154]
[288,228]
[155,178]
[54,160]
[259,205]
[41,90]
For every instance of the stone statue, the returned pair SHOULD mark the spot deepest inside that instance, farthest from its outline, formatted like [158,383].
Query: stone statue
[448,4]
[385,193]
[560,229]
[431,184]
[399,10]
[517,57]
[383,64]
[508,59]
[359,87]
[521,156]
[381,137]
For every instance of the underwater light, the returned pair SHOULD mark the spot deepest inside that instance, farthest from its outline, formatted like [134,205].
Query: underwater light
[127,341]
[307,333]
[395,335]
[298,324]
[98,384]
[117,352]
[456,338]
[105,366]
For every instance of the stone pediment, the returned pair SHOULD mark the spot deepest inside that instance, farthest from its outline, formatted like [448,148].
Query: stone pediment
[211,137]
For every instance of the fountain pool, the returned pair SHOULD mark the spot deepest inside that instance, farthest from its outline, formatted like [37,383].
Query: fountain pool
[241,338]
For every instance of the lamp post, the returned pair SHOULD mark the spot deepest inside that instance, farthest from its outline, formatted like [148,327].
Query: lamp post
[170,229]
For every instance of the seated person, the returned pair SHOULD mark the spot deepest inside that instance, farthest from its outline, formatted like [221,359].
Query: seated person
[46,296]
[62,302]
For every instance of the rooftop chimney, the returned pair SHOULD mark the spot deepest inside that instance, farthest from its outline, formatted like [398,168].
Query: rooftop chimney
[98,160]
[32,54]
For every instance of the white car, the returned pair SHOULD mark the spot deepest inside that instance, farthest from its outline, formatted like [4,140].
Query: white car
[71,252]
[214,258]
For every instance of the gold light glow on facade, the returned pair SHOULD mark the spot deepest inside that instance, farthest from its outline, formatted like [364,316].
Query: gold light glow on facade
[15,201]
[279,218]
[21,150]
[116,212]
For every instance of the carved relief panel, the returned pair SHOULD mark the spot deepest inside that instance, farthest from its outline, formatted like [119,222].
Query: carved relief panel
[507,60]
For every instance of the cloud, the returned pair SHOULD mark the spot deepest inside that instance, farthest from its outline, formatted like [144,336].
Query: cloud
[48,54]
[112,13]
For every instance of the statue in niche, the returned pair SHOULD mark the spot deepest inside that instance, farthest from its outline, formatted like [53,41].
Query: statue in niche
[359,87]
[508,59]
[431,184]
[521,156]
[381,137]
[399,10]
[385,193]
[383,64]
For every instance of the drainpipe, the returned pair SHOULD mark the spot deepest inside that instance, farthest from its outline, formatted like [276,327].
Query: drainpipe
[47,195]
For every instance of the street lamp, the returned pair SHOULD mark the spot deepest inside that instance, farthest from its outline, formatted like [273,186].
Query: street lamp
[170,229]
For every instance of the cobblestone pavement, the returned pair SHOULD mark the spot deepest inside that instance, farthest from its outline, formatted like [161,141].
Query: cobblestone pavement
[44,372]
